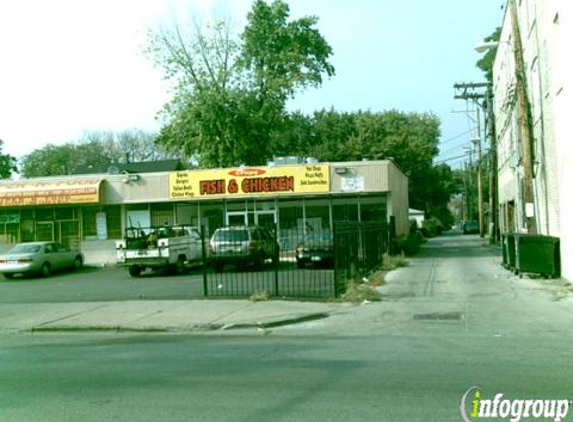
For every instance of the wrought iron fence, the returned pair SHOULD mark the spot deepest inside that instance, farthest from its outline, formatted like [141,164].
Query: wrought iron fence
[359,248]
[295,263]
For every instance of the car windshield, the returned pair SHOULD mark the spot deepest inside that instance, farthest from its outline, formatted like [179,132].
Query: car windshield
[319,237]
[25,249]
[231,236]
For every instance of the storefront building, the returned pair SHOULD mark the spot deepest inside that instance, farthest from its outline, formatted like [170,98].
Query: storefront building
[90,212]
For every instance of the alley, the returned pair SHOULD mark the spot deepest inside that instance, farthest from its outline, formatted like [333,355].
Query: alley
[457,286]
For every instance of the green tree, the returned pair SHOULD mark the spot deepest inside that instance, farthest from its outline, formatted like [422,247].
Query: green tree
[51,160]
[229,98]
[7,163]
[97,149]
[486,62]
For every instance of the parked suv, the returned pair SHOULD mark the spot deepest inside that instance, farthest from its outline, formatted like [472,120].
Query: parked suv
[242,245]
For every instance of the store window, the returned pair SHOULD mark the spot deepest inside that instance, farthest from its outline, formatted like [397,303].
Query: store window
[212,216]
[290,213]
[138,215]
[162,214]
[9,226]
[45,214]
[187,214]
[101,222]
[345,208]
[65,213]
[373,209]
[317,214]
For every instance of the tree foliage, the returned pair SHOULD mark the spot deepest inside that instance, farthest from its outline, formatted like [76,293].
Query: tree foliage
[96,149]
[229,95]
[409,139]
[7,163]
[486,62]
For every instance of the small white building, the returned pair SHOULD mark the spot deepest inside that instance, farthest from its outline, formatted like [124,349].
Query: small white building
[417,216]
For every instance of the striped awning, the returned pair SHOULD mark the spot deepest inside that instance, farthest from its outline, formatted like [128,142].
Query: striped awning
[49,192]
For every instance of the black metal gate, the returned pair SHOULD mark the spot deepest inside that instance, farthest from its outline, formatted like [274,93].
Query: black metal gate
[310,263]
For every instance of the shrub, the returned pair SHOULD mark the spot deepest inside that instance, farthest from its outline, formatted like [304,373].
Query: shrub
[410,245]
[432,227]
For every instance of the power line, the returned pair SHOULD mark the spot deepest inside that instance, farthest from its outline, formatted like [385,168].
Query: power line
[457,136]
[467,154]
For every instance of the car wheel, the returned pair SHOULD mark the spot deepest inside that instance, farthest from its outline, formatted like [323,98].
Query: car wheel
[78,263]
[259,262]
[180,267]
[46,269]
[9,276]
[134,271]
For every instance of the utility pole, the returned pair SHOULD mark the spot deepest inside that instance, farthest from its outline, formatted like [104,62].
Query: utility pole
[493,196]
[479,184]
[467,91]
[524,121]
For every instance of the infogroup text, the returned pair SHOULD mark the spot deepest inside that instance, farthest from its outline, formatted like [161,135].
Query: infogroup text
[474,406]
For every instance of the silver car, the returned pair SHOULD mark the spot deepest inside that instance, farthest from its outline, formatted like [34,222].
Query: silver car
[39,258]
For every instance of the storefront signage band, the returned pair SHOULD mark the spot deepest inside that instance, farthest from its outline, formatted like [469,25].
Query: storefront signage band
[250,181]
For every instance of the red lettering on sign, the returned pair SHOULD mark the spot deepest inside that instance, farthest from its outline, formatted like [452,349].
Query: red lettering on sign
[212,187]
[268,184]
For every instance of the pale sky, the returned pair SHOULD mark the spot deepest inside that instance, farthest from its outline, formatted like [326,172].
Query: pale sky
[69,66]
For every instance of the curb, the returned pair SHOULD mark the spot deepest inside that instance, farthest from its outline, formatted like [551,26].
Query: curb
[192,328]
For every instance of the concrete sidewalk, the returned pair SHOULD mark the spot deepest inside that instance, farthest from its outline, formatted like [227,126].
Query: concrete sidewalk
[182,316]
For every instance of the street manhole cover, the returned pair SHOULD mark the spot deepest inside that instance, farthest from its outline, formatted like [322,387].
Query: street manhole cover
[439,316]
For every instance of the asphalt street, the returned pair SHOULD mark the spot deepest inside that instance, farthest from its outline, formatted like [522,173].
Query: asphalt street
[453,319]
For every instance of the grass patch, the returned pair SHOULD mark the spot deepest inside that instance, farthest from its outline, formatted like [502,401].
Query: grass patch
[259,296]
[391,262]
[360,292]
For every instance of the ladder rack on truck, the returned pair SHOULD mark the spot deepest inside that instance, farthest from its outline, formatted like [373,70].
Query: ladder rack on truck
[155,248]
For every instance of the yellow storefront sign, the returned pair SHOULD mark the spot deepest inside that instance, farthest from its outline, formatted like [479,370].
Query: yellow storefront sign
[311,178]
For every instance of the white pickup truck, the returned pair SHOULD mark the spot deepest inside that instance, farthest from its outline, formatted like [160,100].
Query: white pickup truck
[175,247]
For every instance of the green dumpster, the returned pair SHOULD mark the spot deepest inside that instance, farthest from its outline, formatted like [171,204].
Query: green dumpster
[508,250]
[537,254]
[504,250]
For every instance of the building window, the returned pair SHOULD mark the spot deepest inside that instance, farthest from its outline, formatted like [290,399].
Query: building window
[45,214]
[65,213]
[161,214]
[112,219]
[290,212]
[345,208]
[373,209]
[317,214]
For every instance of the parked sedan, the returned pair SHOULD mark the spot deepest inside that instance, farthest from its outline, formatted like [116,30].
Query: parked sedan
[39,258]
[316,249]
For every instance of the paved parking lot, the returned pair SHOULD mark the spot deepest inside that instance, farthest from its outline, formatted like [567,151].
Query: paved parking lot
[94,284]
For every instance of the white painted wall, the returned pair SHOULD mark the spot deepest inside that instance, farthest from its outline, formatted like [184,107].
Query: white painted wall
[546,30]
